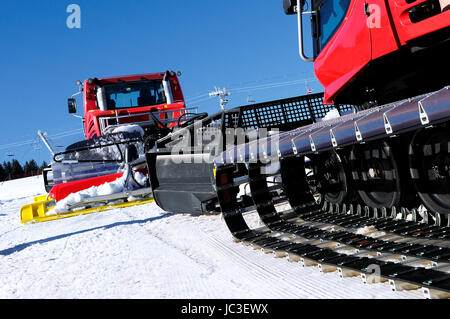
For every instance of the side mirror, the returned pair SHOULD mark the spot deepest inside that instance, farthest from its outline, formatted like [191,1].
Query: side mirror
[289,6]
[72,104]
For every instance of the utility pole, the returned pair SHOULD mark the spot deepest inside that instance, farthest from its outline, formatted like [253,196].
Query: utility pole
[11,155]
[44,139]
[308,89]
[221,92]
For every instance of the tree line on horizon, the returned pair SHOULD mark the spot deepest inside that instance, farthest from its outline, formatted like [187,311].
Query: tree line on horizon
[13,169]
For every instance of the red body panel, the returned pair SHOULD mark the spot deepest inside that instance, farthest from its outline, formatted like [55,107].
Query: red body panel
[132,78]
[61,191]
[408,30]
[361,39]
[92,117]
[382,32]
[334,67]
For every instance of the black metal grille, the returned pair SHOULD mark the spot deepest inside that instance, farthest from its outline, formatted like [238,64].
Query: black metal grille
[287,113]
[345,108]
[231,119]
[296,110]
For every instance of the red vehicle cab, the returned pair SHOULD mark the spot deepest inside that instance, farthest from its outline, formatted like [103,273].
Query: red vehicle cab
[115,101]
[377,50]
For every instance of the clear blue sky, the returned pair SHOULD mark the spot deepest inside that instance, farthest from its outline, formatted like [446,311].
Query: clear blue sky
[233,43]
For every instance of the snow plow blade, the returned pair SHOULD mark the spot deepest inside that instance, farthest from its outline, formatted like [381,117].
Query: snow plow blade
[41,210]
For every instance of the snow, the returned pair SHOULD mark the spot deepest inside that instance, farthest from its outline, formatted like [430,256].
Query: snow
[331,114]
[131,128]
[117,186]
[144,252]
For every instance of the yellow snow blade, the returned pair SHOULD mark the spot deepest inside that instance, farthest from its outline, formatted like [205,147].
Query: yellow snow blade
[41,210]
[40,198]
[40,206]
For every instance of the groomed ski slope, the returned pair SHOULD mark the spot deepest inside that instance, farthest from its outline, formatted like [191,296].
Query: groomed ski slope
[143,252]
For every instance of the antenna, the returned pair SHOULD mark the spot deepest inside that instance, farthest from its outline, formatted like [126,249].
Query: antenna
[308,89]
[37,148]
[221,93]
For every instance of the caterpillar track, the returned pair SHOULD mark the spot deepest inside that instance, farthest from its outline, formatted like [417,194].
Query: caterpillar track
[305,186]
[320,163]
[408,254]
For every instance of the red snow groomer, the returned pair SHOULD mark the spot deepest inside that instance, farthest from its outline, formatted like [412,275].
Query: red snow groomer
[373,180]
[123,117]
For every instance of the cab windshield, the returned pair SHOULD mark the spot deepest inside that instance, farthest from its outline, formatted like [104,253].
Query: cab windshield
[332,13]
[133,94]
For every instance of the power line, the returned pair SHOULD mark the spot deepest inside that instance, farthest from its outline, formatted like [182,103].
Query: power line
[30,142]
[266,79]
[206,96]
[199,95]
[271,85]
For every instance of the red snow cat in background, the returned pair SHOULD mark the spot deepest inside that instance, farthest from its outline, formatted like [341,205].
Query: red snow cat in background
[122,118]
[116,101]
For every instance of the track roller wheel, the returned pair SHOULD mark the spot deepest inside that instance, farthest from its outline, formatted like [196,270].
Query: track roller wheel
[429,161]
[376,174]
[331,177]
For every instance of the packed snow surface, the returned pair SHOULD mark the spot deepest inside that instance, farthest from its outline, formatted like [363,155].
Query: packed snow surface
[144,252]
